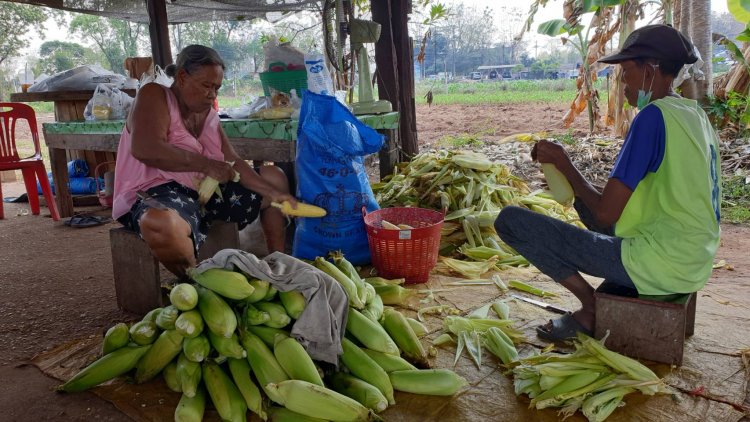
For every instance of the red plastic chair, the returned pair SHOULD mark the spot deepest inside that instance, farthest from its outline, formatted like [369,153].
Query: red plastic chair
[31,167]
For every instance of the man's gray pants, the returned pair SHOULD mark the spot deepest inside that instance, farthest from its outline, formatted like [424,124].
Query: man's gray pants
[559,249]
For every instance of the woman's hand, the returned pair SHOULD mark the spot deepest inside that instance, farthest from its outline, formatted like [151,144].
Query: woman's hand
[549,152]
[219,170]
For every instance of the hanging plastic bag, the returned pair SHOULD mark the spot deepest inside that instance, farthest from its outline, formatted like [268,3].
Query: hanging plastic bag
[318,78]
[158,76]
[107,104]
[331,144]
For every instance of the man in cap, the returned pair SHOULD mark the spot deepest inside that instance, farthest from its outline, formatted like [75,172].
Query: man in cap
[654,229]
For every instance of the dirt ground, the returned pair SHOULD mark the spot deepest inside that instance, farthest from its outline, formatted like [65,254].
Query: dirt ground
[56,282]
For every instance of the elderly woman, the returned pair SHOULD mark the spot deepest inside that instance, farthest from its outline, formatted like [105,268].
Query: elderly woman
[173,139]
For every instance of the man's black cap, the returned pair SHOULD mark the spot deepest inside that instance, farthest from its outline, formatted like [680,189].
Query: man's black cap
[660,42]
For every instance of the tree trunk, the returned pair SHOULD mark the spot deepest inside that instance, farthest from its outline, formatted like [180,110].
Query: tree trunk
[701,37]
[693,19]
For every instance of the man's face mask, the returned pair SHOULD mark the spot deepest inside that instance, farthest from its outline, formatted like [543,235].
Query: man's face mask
[645,97]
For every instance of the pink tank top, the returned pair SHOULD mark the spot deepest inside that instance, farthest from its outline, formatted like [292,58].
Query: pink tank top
[132,175]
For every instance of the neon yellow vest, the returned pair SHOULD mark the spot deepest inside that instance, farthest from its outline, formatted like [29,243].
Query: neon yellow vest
[670,225]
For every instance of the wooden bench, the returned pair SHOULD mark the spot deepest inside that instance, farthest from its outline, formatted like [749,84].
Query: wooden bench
[138,280]
[646,327]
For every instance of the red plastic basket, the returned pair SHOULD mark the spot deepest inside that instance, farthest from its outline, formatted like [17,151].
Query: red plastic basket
[408,254]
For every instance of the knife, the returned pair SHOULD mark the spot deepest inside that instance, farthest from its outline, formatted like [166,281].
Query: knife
[539,303]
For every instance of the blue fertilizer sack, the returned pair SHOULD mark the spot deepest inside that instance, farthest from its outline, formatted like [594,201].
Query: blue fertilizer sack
[331,144]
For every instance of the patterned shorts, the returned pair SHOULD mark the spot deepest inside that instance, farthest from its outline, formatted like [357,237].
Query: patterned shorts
[237,204]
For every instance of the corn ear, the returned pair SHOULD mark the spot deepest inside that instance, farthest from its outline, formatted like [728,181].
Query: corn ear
[319,402]
[230,284]
[197,348]
[143,332]
[267,334]
[216,313]
[598,407]
[471,160]
[401,332]
[260,290]
[265,366]
[346,283]
[164,349]
[393,294]
[229,347]
[151,315]
[282,414]
[225,396]
[302,210]
[191,409]
[240,370]
[189,375]
[189,324]
[270,294]
[170,377]
[366,394]
[389,363]
[388,225]
[365,368]
[278,317]
[370,333]
[105,368]
[254,316]
[183,297]
[295,361]
[374,309]
[294,303]
[434,382]
[350,271]
[380,281]
[416,326]
[116,337]
[167,317]
[208,186]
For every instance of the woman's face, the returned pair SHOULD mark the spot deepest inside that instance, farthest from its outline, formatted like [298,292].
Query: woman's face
[199,89]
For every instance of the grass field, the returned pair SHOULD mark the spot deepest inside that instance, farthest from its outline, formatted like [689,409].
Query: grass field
[501,92]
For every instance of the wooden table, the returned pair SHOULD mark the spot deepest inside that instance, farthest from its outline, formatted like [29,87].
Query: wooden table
[69,107]
[257,140]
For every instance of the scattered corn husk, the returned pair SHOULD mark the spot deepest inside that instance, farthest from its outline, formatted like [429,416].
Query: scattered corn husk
[472,190]
[592,379]
[523,287]
[471,334]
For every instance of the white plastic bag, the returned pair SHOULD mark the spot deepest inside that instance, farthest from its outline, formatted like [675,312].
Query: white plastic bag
[107,104]
[275,52]
[318,78]
[159,76]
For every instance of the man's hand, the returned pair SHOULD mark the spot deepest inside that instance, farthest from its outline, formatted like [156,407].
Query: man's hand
[549,152]
[219,170]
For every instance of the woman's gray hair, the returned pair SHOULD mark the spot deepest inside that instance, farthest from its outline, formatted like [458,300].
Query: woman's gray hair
[193,57]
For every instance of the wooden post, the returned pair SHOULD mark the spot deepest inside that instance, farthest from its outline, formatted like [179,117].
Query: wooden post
[159,32]
[395,68]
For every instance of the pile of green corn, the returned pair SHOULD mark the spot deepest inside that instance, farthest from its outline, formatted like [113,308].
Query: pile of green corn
[472,190]
[592,379]
[227,338]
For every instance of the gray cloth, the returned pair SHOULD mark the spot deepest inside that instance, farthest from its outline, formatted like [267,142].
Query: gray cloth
[559,249]
[321,326]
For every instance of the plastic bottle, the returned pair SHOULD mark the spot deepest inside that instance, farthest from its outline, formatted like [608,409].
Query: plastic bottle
[558,184]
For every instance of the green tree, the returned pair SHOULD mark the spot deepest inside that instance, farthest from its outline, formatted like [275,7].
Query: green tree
[117,39]
[17,23]
[57,56]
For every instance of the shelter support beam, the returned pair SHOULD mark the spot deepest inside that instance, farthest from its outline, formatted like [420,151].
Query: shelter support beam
[159,32]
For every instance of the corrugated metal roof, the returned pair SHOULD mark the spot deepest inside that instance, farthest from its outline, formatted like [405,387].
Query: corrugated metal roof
[180,11]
